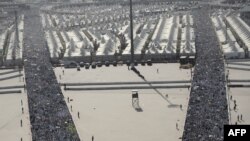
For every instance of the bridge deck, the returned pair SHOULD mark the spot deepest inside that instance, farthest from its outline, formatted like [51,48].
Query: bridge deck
[207,110]
[49,115]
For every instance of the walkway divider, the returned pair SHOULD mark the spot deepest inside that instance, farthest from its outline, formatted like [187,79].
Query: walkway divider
[11,87]
[8,72]
[124,88]
[124,83]
[10,77]
[10,92]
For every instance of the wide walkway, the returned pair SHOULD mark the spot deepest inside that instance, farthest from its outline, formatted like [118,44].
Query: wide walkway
[49,115]
[207,110]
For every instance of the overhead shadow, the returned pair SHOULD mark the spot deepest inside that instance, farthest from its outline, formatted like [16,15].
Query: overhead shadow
[136,106]
[150,85]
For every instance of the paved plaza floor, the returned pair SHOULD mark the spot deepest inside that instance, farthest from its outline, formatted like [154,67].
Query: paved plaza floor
[108,115]
[239,71]
[14,110]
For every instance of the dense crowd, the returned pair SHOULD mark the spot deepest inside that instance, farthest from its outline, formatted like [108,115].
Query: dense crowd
[207,110]
[49,116]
